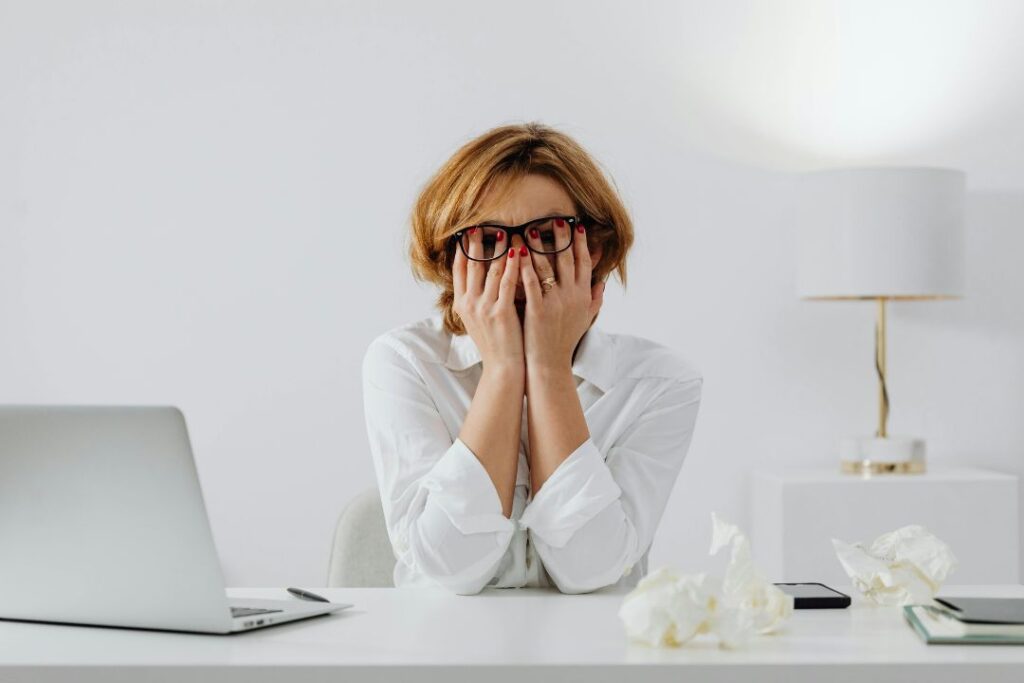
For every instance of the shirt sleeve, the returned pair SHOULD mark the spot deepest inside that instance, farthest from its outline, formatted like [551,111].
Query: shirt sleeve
[443,515]
[594,518]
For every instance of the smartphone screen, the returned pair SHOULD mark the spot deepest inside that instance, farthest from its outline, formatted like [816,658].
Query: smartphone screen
[814,595]
[808,590]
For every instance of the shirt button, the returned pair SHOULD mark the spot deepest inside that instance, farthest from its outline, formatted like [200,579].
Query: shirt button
[629,568]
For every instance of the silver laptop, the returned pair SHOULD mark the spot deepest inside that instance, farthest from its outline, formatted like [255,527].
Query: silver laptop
[102,522]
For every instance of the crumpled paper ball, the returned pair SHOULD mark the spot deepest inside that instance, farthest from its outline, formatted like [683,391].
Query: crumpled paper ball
[749,604]
[668,608]
[903,567]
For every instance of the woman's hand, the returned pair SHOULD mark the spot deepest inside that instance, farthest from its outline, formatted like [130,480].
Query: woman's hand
[557,319]
[485,302]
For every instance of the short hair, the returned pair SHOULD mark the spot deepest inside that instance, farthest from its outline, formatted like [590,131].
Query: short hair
[450,201]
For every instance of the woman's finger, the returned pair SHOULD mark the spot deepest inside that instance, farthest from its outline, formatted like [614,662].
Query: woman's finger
[475,270]
[564,258]
[541,262]
[507,287]
[495,270]
[531,283]
[582,257]
[459,272]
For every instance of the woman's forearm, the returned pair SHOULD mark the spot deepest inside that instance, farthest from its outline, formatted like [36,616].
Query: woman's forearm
[492,427]
[556,424]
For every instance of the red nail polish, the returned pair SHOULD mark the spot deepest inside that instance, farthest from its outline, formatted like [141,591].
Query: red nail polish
[499,237]
[522,251]
[559,222]
[472,230]
[511,253]
[533,233]
[579,228]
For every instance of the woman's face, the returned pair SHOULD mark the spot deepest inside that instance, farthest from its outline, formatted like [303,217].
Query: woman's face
[533,196]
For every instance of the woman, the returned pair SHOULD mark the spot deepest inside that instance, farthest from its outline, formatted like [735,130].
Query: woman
[514,444]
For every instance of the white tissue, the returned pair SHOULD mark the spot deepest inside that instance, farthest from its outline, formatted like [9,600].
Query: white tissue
[668,608]
[749,604]
[903,567]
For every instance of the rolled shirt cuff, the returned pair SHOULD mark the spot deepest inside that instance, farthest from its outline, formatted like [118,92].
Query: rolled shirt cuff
[575,493]
[460,486]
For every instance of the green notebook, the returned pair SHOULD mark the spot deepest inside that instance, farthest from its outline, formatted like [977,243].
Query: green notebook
[939,624]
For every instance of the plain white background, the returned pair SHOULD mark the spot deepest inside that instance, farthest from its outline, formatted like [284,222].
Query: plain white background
[205,204]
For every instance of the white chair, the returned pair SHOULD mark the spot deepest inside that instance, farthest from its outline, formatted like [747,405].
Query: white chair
[361,555]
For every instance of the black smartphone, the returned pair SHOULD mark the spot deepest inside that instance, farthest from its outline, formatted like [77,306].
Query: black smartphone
[814,596]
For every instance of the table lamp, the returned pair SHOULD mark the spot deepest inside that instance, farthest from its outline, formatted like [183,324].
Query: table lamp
[882,234]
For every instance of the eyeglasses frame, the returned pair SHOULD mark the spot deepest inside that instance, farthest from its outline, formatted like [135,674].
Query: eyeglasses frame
[517,230]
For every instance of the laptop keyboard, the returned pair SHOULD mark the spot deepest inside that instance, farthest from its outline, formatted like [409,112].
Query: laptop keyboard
[250,611]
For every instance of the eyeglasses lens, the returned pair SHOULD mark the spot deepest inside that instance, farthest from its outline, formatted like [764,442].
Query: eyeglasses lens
[546,235]
[489,242]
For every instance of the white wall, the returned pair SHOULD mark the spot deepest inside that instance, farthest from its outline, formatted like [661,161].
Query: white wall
[204,204]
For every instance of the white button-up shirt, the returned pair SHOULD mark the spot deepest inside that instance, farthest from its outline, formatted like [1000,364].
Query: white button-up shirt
[592,522]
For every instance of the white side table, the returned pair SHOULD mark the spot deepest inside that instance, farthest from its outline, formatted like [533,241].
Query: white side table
[796,513]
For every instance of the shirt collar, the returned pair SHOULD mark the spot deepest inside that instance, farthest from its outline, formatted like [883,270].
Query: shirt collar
[595,357]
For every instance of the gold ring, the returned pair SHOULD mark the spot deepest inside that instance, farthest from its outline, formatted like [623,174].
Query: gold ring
[547,283]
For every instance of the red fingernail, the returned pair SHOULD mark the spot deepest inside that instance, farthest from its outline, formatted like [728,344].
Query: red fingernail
[511,253]
[579,228]
[533,233]
[522,251]
[499,237]
[559,222]
[472,230]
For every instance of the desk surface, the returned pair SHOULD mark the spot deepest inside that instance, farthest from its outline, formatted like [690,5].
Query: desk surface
[451,638]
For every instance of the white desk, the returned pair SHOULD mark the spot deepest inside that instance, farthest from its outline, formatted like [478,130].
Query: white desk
[396,634]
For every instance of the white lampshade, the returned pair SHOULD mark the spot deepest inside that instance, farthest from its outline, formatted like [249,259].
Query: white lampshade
[894,232]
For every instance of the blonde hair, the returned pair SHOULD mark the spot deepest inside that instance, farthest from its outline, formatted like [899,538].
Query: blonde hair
[450,201]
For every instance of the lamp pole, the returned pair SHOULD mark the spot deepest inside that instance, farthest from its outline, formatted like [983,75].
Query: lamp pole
[883,392]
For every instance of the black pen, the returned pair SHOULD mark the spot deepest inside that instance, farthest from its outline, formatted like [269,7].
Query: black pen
[306,595]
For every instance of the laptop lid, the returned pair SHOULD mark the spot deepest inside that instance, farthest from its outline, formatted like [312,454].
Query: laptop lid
[102,520]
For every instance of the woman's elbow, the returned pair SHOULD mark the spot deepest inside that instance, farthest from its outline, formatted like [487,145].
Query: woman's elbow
[574,588]
[575,571]
[588,562]
[469,581]
[466,586]
[464,568]
[585,582]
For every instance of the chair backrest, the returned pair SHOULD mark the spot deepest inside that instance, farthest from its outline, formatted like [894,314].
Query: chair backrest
[361,555]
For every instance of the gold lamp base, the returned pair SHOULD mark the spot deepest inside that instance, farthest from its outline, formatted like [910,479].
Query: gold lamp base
[867,468]
[882,455]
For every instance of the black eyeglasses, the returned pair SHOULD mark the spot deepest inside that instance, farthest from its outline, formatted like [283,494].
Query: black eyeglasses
[495,239]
